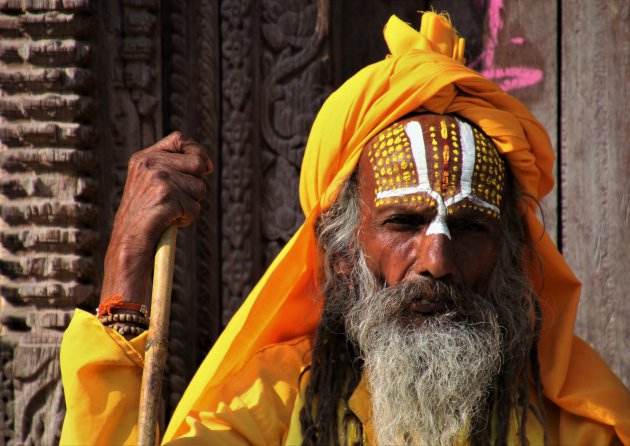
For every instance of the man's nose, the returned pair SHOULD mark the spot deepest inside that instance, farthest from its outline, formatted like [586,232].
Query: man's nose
[436,257]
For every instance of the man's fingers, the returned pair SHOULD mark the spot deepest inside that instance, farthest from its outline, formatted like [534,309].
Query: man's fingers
[191,186]
[192,147]
[192,164]
[176,143]
[190,209]
[170,143]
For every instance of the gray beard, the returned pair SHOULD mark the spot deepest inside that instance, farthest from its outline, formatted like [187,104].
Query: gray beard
[427,382]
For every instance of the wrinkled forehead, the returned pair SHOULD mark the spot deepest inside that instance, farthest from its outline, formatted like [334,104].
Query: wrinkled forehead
[438,159]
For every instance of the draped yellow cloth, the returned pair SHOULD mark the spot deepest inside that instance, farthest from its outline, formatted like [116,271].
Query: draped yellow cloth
[424,71]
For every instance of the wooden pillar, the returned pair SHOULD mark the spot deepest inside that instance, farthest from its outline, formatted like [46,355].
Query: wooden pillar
[595,161]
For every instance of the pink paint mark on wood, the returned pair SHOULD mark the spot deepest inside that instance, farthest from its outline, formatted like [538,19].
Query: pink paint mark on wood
[513,78]
[509,78]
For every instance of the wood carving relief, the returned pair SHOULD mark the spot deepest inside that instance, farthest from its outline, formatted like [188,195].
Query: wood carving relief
[47,203]
[296,79]
[237,132]
[39,405]
[191,58]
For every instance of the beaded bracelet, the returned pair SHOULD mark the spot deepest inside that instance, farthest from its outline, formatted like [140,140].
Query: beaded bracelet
[123,317]
[128,329]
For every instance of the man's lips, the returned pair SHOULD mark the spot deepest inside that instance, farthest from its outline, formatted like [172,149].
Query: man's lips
[426,307]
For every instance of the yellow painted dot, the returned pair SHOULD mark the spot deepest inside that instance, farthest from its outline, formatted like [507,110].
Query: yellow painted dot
[455,168]
[435,166]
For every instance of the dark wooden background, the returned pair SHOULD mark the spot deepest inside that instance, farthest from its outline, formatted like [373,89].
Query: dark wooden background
[85,83]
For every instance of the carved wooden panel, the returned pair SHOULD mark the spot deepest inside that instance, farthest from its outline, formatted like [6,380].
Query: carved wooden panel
[47,203]
[296,76]
[39,405]
[238,71]
[191,67]
[6,394]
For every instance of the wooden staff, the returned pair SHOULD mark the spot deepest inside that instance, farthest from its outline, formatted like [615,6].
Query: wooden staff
[157,341]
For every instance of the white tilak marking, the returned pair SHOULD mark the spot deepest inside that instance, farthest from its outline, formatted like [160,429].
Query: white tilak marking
[414,132]
[468,157]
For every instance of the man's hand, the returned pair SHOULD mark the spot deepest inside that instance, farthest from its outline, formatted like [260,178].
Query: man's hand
[164,186]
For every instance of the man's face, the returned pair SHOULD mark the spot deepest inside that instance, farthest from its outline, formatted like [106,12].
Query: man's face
[430,191]
[431,188]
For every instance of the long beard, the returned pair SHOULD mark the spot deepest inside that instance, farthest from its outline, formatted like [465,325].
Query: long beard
[428,380]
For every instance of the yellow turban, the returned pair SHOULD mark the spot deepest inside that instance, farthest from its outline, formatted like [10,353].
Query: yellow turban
[425,71]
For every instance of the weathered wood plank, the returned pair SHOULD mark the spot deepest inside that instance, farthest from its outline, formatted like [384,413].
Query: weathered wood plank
[595,162]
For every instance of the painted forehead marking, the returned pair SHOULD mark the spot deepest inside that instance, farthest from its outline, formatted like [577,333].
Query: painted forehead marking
[445,164]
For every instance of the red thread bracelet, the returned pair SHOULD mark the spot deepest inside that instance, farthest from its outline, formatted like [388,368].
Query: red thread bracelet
[116,301]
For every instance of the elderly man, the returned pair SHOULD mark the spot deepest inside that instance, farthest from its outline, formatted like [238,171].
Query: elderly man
[420,303]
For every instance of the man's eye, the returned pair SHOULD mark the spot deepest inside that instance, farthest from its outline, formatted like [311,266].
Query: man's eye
[469,225]
[405,221]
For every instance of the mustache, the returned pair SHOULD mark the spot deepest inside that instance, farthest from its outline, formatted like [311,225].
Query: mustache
[455,301]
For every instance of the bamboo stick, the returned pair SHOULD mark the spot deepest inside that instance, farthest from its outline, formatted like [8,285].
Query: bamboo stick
[157,342]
